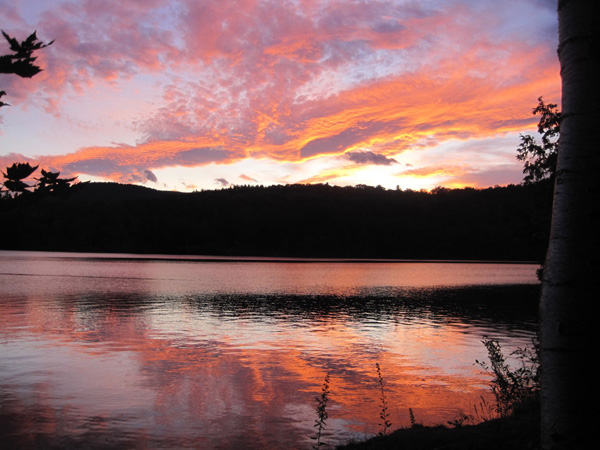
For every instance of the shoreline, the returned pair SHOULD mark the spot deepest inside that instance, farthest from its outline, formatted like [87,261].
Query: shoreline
[517,432]
[243,259]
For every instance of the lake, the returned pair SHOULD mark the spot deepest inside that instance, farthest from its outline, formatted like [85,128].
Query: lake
[138,351]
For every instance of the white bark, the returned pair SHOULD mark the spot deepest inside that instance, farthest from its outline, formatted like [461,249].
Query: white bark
[571,284]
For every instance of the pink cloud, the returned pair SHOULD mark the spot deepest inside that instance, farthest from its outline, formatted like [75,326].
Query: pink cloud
[248,178]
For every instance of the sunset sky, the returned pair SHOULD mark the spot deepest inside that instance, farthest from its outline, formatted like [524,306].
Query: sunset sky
[202,94]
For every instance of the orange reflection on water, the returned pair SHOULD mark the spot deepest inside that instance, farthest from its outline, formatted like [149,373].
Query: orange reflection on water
[183,370]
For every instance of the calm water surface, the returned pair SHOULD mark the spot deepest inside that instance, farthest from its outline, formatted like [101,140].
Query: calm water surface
[101,351]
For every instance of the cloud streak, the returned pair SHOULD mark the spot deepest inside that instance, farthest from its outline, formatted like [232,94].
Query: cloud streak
[370,158]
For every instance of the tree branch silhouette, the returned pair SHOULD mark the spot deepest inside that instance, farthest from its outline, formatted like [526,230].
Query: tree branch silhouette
[539,160]
[21,61]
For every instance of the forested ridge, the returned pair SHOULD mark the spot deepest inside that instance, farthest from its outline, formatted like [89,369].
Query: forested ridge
[502,223]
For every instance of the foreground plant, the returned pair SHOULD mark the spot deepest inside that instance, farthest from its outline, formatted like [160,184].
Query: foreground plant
[321,412]
[460,419]
[413,421]
[512,387]
[484,411]
[384,414]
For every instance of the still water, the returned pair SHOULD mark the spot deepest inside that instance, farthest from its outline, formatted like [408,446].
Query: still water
[125,351]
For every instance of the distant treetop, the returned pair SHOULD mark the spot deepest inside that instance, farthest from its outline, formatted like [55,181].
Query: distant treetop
[540,159]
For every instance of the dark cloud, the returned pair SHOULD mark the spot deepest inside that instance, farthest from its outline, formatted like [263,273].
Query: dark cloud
[388,26]
[150,175]
[339,142]
[367,157]
[277,135]
[201,156]
[92,166]
[222,182]
[134,175]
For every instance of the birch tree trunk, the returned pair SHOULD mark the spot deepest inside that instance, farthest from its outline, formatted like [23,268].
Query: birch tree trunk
[571,281]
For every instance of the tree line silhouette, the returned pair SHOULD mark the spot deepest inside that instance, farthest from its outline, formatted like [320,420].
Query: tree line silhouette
[500,223]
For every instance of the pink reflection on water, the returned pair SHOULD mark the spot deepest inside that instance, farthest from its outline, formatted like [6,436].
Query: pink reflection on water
[138,363]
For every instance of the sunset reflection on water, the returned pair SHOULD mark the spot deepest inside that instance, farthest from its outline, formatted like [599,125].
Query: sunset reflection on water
[232,355]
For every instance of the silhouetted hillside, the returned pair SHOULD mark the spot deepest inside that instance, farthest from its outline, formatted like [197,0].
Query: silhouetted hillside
[502,223]
[119,192]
